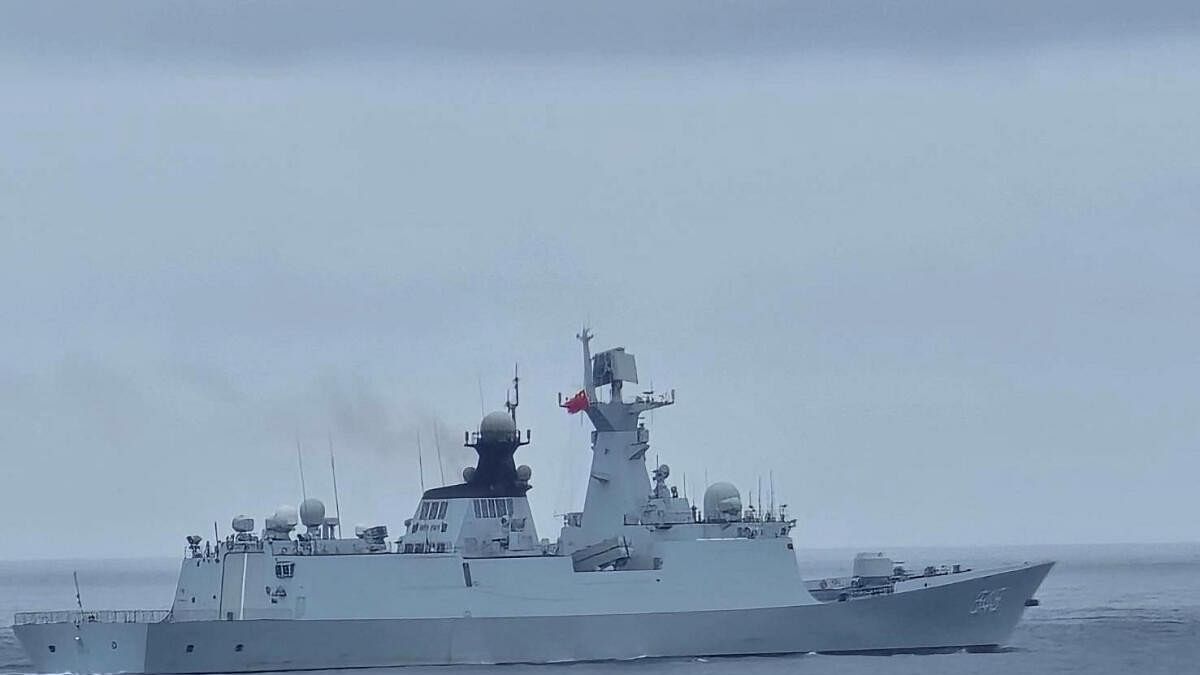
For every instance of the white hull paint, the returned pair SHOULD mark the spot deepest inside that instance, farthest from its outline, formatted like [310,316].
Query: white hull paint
[976,610]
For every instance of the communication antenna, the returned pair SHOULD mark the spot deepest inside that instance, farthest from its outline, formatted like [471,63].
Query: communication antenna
[216,535]
[78,598]
[337,507]
[420,463]
[437,443]
[760,496]
[300,460]
[771,475]
[516,399]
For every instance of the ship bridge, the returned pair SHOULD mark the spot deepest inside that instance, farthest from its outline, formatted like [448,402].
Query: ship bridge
[486,515]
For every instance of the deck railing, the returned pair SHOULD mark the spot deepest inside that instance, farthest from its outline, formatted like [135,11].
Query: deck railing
[96,616]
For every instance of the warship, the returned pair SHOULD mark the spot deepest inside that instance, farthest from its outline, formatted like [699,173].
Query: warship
[639,572]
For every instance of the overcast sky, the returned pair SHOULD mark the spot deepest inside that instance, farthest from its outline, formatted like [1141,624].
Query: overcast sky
[936,267]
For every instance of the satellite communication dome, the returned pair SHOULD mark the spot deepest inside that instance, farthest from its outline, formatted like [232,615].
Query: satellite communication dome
[312,512]
[243,523]
[722,501]
[285,516]
[468,474]
[496,426]
[524,472]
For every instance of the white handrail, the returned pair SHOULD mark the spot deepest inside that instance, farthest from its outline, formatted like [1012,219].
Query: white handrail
[95,616]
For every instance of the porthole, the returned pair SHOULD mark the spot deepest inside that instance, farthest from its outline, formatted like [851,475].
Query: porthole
[114,644]
[52,648]
[238,648]
[190,649]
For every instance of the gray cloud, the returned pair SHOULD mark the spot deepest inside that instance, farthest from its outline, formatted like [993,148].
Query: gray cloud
[247,32]
[946,300]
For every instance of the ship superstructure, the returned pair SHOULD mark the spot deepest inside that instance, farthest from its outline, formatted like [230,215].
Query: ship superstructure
[640,571]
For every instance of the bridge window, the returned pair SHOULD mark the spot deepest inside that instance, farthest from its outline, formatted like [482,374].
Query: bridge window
[431,510]
[285,569]
[493,508]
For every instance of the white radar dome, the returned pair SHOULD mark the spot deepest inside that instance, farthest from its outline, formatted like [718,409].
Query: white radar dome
[722,501]
[312,512]
[285,516]
[497,425]
[243,523]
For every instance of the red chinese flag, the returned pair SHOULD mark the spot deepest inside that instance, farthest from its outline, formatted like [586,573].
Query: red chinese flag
[577,403]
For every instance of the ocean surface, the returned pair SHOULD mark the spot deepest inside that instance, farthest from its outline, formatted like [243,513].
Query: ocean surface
[1105,609]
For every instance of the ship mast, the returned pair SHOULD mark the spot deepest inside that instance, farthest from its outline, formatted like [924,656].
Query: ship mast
[511,404]
[619,480]
[585,337]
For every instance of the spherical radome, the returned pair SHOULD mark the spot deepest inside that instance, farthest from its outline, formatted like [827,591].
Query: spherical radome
[312,512]
[497,425]
[286,515]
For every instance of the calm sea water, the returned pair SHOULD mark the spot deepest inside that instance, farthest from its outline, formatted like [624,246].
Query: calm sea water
[1105,609]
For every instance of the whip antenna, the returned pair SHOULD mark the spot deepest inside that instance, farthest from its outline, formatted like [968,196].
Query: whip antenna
[337,507]
[437,443]
[420,463]
[300,460]
[78,598]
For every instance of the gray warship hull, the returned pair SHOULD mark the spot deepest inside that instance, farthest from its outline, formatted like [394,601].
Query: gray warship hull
[639,573]
[978,612]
